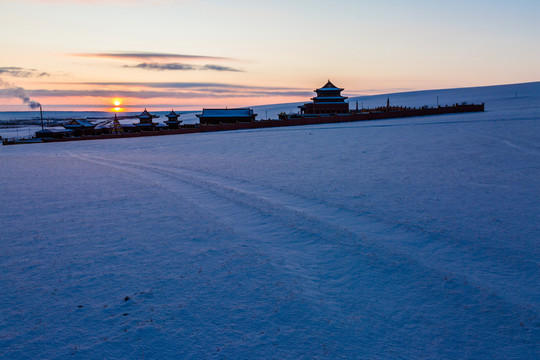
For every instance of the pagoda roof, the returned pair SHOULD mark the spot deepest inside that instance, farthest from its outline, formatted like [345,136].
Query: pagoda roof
[77,123]
[329,98]
[332,103]
[330,86]
[172,114]
[145,114]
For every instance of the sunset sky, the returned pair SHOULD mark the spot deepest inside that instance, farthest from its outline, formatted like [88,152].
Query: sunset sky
[190,54]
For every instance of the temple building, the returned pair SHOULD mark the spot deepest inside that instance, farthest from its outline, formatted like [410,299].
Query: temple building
[173,122]
[226,116]
[80,127]
[328,101]
[145,121]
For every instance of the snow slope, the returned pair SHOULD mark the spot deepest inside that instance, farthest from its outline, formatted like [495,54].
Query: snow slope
[411,238]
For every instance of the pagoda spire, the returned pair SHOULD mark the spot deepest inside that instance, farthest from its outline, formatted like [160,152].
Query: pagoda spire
[116,127]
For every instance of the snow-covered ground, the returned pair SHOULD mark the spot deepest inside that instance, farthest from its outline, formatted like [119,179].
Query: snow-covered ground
[411,238]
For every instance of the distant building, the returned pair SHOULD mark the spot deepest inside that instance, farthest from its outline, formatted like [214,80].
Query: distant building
[327,101]
[173,122]
[55,133]
[226,116]
[80,127]
[145,121]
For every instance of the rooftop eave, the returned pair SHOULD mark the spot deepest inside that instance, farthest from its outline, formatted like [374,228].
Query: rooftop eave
[329,89]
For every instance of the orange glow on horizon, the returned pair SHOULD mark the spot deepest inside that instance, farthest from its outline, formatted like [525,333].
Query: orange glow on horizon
[117,102]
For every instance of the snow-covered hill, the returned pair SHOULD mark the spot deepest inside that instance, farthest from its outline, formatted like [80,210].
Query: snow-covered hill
[395,239]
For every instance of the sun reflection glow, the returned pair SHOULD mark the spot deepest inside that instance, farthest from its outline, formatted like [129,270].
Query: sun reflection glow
[117,105]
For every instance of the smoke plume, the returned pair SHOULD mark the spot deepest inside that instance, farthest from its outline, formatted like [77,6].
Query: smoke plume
[18,92]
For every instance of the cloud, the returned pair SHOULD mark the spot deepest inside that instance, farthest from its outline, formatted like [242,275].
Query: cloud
[168,66]
[158,61]
[122,93]
[148,55]
[184,91]
[218,68]
[21,72]
[178,66]
[189,85]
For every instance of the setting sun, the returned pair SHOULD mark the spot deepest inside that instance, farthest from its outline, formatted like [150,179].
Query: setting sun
[117,103]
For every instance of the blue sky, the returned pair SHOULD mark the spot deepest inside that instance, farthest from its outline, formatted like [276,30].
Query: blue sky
[192,54]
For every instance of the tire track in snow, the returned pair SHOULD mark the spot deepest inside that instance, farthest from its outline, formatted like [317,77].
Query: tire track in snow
[252,224]
[270,216]
[523,147]
[347,269]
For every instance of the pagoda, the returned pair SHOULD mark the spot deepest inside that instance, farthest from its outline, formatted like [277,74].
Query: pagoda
[145,121]
[116,128]
[173,122]
[328,101]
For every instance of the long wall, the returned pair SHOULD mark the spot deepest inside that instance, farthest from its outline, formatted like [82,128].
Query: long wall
[293,120]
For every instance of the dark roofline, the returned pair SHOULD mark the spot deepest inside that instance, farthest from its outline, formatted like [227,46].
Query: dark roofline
[146,114]
[329,86]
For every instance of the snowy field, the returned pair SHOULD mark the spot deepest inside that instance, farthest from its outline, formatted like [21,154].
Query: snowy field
[411,238]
